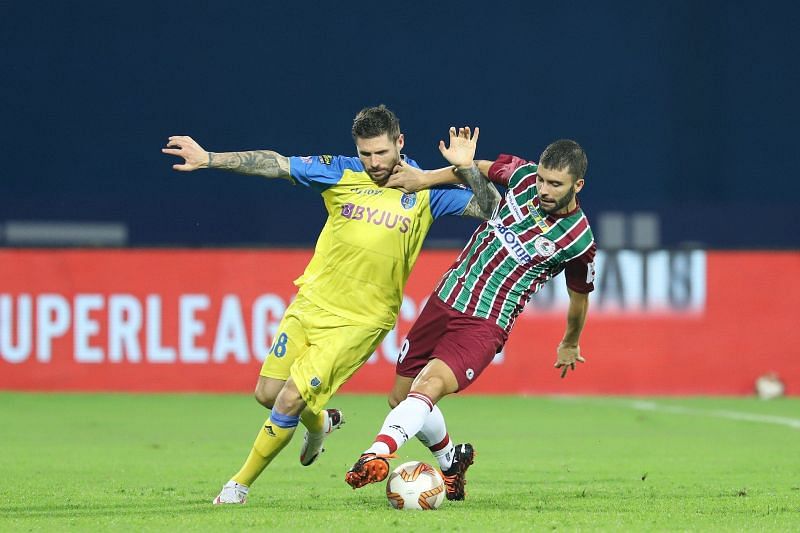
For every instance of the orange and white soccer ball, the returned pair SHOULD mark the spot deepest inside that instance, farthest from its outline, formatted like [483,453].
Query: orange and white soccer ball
[415,485]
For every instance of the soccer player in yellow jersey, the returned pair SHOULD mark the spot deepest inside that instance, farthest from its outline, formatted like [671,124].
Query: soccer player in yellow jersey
[351,290]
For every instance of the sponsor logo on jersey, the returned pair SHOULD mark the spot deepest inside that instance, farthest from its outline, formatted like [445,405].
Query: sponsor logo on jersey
[408,200]
[538,218]
[326,159]
[513,206]
[512,243]
[544,246]
[379,217]
[366,192]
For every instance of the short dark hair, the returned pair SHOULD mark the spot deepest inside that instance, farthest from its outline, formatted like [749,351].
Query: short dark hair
[375,121]
[565,154]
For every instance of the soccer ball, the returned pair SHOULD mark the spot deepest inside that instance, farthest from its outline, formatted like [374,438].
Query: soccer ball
[769,386]
[415,485]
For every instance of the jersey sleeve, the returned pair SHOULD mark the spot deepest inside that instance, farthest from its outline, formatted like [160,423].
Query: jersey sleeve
[503,167]
[321,171]
[579,271]
[449,200]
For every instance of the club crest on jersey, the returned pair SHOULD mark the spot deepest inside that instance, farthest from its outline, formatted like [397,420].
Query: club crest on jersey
[315,382]
[408,200]
[544,246]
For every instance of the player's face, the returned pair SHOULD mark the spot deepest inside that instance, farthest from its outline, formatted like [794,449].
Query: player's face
[556,190]
[379,155]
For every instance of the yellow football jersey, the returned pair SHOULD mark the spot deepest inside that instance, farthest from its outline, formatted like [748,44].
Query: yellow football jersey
[371,239]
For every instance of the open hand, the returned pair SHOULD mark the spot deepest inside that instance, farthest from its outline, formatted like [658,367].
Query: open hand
[193,154]
[461,151]
[567,356]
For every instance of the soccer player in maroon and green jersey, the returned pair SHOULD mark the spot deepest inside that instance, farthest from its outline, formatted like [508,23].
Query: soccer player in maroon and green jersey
[537,231]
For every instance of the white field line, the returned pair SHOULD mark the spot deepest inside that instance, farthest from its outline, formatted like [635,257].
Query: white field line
[793,423]
[641,405]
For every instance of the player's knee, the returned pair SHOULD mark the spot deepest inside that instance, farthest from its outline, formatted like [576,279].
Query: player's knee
[393,400]
[289,400]
[264,398]
[267,390]
[399,391]
[431,385]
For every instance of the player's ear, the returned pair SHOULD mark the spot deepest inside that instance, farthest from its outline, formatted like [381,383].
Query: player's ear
[579,185]
[401,141]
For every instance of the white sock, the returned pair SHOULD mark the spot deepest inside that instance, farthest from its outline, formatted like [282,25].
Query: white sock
[402,423]
[433,435]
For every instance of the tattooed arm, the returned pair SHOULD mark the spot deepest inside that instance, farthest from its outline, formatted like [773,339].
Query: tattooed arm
[485,196]
[264,163]
[461,154]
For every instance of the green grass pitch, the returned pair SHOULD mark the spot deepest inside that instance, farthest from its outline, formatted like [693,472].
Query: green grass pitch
[154,463]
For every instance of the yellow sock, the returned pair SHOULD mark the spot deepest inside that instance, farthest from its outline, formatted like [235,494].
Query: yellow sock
[271,439]
[314,423]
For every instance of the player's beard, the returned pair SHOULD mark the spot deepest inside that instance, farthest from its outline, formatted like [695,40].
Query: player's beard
[386,172]
[382,179]
[560,204]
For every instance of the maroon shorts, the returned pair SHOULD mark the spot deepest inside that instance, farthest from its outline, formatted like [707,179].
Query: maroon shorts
[466,344]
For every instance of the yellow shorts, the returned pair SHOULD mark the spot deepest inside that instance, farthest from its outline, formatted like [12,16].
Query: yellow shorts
[319,350]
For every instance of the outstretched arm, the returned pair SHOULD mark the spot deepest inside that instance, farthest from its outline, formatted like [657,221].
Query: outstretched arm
[265,163]
[568,351]
[461,154]
[411,179]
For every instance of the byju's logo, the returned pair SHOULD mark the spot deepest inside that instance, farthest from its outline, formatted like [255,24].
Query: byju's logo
[379,217]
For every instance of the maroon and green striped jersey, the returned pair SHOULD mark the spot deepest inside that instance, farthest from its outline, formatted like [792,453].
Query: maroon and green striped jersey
[510,257]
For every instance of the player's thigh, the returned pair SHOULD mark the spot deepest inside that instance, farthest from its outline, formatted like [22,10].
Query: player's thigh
[421,341]
[335,354]
[288,344]
[469,348]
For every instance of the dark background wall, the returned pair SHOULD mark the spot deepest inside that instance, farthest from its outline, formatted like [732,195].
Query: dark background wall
[685,108]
